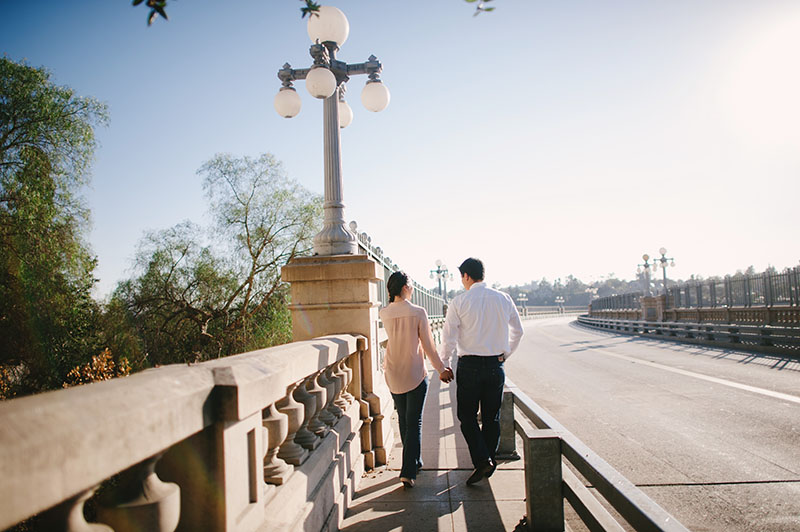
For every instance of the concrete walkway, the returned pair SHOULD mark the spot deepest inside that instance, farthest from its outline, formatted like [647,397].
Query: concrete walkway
[440,500]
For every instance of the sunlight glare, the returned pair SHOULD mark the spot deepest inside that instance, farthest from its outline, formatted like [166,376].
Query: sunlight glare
[761,91]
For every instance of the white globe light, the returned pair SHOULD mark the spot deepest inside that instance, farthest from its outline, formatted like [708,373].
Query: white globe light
[320,82]
[345,114]
[287,102]
[375,96]
[328,25]
[663,251]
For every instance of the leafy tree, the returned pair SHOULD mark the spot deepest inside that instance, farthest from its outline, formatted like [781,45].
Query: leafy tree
[47,143]
[191,301]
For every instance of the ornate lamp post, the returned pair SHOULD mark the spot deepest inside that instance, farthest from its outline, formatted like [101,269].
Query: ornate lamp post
[442,275]
[646,272]
[326,80]
[663,263]
[560,303]
[522,299]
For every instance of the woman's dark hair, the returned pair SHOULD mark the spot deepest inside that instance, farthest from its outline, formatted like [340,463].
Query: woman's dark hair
[395,284]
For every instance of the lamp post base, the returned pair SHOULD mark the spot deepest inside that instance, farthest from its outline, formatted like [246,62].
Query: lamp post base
[335,239]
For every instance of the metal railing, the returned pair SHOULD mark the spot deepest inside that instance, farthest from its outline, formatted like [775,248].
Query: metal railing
[431,302]
[239,441]
[775,339]
[558,467]
[628,301]
[759,290]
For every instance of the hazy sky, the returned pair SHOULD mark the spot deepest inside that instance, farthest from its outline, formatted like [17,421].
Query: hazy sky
[548,138]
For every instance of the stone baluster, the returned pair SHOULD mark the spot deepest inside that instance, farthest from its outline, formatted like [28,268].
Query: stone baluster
[276,471]
[68,516]
[305,436]
[348,379]
[290,451]
[325,415]
[334,389]
[141,501]
[341,386]
[317,424]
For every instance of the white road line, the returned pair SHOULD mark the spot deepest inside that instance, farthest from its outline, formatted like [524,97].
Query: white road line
[716,380]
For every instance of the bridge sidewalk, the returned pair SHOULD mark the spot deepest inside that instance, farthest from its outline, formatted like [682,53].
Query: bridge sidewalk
[440,500]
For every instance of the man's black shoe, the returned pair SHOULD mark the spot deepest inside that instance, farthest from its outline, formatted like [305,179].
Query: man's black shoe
[491,471]
[481,472]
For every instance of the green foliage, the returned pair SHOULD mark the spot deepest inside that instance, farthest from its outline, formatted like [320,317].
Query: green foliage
[481,7]
[159,8]
[190,301]
[574,291]
[47,315]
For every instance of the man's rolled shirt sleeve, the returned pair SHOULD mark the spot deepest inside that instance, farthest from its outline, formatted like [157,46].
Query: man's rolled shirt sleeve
[515,331]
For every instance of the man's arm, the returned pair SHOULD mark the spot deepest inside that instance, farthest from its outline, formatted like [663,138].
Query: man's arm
[452,325]
[515,331]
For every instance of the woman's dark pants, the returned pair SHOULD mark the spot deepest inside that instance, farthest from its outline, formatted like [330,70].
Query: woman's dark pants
[409,416]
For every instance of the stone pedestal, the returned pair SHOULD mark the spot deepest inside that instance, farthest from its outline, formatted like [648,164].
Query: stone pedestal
[653,307]
[338,294]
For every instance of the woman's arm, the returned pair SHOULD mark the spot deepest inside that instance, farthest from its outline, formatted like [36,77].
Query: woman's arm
[428,346]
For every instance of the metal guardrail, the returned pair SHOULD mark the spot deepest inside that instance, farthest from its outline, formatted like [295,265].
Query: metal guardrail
[554,459]
[783,340]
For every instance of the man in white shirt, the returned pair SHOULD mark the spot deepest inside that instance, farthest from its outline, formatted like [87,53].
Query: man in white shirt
[483,328]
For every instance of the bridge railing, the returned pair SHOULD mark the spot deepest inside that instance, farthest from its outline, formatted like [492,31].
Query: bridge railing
[758,290]
[271,436]
[558,466]
[769,298]
[629,301]
[767,338]
[433,303]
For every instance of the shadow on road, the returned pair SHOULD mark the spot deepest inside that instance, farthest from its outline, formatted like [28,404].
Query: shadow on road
[772,361]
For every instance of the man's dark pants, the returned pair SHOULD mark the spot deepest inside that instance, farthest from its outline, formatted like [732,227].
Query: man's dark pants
[479,382]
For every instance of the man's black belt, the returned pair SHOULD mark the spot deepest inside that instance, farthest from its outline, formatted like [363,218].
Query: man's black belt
[486,359]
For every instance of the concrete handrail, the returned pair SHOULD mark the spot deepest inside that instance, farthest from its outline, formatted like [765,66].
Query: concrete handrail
[58,446]
[548,481]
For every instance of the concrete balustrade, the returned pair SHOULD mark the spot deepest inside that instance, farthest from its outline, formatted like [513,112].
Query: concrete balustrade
[554,458]
[221,445]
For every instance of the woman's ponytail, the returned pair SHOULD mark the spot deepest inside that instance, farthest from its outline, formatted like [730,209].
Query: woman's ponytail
[395,284]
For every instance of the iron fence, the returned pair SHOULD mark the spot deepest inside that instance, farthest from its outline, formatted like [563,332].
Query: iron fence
[759,290]
[628,301]
[431,302]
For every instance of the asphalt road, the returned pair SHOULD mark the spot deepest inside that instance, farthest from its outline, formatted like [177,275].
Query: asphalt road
[711,435]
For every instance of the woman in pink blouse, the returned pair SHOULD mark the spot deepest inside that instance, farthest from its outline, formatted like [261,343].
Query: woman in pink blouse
[409,335]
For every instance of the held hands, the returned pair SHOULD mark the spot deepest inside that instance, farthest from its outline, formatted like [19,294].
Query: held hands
[446,375]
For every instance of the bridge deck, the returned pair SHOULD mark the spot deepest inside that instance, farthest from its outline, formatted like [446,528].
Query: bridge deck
[440,499]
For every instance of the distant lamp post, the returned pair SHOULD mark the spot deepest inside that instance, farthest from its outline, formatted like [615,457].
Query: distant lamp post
[522,298]
[644,271]
[663,263]
[326,79]
[560,303]
[442,275]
